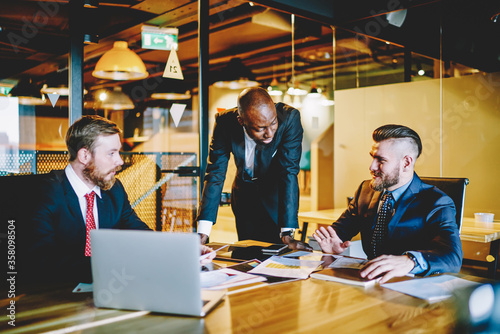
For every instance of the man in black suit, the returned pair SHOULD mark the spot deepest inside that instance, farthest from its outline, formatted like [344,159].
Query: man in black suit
[266,142]
[61,220]
[419,235]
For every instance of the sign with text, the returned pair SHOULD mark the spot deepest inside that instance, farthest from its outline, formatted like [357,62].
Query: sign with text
[157,38]
[173,69]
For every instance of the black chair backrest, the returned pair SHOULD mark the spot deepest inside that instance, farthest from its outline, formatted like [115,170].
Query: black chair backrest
[453,187]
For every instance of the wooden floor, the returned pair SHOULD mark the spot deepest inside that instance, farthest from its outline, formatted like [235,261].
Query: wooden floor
[225,231]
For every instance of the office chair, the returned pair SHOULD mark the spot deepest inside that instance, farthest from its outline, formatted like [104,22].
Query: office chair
[453,187]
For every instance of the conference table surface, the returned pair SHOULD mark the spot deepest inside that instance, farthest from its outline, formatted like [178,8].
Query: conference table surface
[309,305]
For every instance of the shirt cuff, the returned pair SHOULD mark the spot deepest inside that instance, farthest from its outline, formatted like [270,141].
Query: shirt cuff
[205,227]
[421,264]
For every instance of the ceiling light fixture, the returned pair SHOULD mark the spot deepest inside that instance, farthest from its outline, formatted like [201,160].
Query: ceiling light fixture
[315,91]
[91,3]
[273,88]
[62,90]
[120,63]
[294,89]
[171,89]
[236,76]
[28,93]
[112,99]
[171,96]
[57,83]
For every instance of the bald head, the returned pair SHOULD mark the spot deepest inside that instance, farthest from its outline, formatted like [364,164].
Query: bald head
[257,114]
[254,99]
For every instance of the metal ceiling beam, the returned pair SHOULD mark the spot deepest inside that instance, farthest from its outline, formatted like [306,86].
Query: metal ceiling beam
[75,79]
[203,83]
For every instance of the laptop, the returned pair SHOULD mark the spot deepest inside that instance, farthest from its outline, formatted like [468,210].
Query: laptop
[149,271]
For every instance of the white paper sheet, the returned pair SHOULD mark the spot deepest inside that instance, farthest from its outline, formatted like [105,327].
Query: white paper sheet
[226,278]
[431,289]
[286,267]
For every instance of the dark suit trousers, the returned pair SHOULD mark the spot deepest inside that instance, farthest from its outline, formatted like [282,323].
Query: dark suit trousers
[252,219]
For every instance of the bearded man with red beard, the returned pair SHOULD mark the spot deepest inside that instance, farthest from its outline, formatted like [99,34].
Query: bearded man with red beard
[406,226]
[83,196]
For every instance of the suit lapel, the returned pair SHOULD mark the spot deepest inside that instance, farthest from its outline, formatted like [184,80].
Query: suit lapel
[373,205]
[404,202]
[72,203]
[104,215]
[239,144]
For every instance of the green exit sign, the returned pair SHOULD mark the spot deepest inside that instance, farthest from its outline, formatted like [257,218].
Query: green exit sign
[5,90]
[159,38]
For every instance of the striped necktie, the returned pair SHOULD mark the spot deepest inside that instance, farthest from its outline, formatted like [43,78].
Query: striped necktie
[381,229]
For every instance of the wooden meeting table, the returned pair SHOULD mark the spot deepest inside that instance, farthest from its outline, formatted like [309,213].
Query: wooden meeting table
[298,306]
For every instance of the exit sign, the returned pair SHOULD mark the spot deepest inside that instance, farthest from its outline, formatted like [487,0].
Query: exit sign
[5,90]
[157,38]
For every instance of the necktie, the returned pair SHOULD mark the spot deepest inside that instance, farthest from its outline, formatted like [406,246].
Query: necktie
[89,221]
[383,218]
[257,165]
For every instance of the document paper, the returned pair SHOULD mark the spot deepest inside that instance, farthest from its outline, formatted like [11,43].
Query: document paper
[286,267]
[431,289]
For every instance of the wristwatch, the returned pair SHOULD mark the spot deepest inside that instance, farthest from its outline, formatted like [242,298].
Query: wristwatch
[412,257]
[290,233]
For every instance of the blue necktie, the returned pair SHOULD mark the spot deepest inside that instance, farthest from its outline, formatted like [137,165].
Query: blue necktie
[383,218]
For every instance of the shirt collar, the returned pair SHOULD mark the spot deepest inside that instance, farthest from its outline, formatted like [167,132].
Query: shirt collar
[247,137]
[80,188]
[397,193]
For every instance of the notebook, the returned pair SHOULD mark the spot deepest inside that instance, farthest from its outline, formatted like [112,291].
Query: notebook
[149,271]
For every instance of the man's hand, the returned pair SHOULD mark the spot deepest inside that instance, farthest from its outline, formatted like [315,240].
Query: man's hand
[204,251]
[329,241]
[203,238]
[387,266]
[295,244]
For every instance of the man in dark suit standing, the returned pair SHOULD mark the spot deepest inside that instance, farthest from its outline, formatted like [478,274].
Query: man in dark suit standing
[266,142]
[406,226]
[83,196]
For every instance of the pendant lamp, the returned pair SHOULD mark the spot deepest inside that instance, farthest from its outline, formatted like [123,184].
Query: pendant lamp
[28,93]
[112,99]
[120,63]
[236,76]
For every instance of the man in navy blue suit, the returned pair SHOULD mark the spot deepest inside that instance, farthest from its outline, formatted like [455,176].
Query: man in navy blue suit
[60,219]
[420,235]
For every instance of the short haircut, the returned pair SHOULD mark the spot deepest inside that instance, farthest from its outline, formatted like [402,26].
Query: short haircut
[85,131]
[253,98]
[393,131]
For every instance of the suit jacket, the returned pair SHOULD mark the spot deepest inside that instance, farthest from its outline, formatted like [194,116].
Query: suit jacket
[59,231]
[278,187]
[424,221]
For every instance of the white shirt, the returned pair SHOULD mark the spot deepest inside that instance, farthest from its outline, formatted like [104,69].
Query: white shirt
[250,145]
[81,189]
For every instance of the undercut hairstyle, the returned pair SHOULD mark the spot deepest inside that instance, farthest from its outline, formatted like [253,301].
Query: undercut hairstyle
[85,131]
[393,131]
[253,98]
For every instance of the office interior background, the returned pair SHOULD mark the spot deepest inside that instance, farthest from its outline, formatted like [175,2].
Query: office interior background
[349,67]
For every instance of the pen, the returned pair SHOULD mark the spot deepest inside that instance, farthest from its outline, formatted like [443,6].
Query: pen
[202,257]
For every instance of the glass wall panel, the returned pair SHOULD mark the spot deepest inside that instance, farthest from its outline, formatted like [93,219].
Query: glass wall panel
[442,91]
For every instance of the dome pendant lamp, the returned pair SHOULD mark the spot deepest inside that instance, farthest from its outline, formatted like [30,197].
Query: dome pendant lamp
[120,63]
